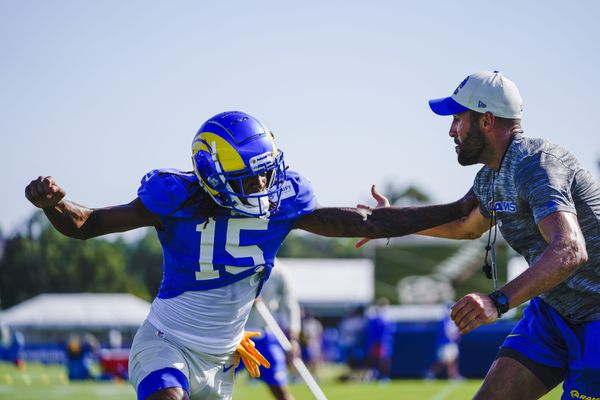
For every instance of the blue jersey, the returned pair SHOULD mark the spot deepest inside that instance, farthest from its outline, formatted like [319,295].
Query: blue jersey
[206,246]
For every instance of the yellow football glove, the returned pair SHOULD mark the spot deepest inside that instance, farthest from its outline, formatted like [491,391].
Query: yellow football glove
[250,356]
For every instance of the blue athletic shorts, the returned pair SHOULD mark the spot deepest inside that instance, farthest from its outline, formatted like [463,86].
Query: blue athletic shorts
[272,350]
[573,350]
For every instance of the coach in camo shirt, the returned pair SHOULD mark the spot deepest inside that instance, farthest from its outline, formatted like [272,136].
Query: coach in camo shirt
[548,209]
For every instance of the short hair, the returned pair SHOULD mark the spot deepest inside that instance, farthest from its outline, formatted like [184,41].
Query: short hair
[504,122]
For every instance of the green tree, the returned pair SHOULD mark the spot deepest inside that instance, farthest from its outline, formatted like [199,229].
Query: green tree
[145,262]
[306,245]
[405,195]
[41,260]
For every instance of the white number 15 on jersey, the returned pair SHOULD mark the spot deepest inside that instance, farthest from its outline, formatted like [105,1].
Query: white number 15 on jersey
[229,238]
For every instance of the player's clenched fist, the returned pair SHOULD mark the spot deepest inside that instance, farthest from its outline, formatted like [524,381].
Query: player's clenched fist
[43,192]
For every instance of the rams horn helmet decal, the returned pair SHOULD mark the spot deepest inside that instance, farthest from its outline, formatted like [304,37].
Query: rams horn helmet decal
[230,147]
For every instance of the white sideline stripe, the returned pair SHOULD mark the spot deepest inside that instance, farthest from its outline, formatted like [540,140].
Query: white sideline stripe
[447,390]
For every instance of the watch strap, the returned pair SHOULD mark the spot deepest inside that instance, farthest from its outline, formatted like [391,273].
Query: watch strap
[500,301]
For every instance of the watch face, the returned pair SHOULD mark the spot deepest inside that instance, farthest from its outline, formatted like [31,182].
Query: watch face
[501,301]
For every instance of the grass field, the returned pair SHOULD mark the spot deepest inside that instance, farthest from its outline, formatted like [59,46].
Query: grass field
[50,383]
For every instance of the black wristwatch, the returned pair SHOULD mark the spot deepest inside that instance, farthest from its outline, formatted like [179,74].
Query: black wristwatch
[500,301]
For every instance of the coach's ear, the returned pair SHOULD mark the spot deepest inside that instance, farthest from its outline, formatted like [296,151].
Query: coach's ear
[487,121]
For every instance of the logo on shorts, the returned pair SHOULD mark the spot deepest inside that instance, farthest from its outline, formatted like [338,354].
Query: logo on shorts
[576,395]
[227,368]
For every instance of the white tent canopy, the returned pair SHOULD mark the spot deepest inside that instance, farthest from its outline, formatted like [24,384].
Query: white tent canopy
[331,280]
[320,282]
[68,311]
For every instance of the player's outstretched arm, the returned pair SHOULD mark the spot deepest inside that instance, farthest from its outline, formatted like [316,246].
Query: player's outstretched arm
[80,222]
[382,222]
[470,226]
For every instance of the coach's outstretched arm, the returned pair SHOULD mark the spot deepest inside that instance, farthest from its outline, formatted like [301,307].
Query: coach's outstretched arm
[80,222]
[383,222]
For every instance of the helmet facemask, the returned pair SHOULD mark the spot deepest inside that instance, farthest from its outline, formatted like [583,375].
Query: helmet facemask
[227,187]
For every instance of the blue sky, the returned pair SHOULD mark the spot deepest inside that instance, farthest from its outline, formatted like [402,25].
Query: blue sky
[96,93]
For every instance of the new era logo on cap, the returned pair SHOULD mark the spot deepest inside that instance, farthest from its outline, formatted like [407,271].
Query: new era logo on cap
[482,92]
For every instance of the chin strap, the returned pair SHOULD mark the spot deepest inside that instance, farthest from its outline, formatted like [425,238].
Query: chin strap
[250,356]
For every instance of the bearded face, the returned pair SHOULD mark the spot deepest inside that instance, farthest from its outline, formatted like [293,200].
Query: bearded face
[471,147]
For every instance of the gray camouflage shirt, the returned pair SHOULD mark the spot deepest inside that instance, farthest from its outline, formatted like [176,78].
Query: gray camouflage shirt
[536,179]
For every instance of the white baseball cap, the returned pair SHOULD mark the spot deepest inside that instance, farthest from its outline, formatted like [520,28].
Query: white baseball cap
[482,92]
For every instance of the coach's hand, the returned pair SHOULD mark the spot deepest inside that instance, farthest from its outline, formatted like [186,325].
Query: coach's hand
[43,192]
[473,310]
[382,201]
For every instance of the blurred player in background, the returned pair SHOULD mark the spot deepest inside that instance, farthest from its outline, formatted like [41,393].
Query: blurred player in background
[12,346]
[220,227]
[278,295]
[352,344]
[447,351]
[379,340]
[547,207]
[311,340]
[82,353]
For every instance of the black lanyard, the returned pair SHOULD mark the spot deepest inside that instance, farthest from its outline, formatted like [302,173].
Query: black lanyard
[490,270]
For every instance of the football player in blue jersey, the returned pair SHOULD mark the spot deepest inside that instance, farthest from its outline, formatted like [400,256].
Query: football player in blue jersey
[547,207]
[220,227]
